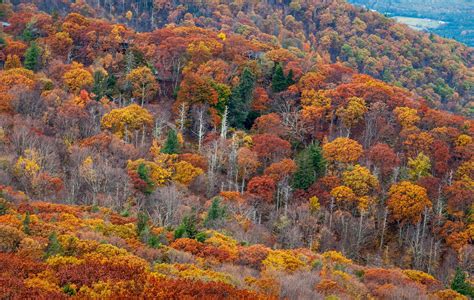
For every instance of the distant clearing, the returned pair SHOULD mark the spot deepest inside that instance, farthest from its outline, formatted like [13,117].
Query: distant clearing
[420,23]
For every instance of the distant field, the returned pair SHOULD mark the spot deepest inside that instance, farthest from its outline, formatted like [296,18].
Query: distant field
[420,23]
[456,16]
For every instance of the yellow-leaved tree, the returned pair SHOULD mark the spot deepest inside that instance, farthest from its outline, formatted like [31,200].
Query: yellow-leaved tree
[360,180]
[342,151]
[406,116]
[185,172]
[144,84]
[123,122]
[78,78]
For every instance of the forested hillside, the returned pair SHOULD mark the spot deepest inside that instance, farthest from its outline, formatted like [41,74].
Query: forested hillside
[243,150]
[440,70]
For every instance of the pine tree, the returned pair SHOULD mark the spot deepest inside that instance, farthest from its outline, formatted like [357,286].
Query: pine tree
[289,78]
[187,228]
[172,144]
[54,247]
[144,175]
[100,85]
[29,33]
[311,166]
[279,81]
[142,223]
[215,212]
[239,104]
[32,57]
[460,285]
[3,206]
[26,223]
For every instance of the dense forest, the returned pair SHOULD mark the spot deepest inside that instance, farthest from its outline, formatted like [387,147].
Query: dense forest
[232,149]
[438,69]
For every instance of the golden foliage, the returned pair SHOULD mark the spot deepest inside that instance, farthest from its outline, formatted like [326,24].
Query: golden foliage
[123,122]
[343,150]
[283,260]
[353,112]
[28,164]
[77,78]
[337,257]
[144,84]
[157,174]
[407,117]
[314,205]
[185,172]
[407,201]
[360,180]
[343,194]
[419,167]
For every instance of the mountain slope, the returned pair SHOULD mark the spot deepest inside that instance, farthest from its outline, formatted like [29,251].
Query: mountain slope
[90,252]
[228,147]
[438,69]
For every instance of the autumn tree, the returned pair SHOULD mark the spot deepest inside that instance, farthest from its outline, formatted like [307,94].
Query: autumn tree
[270,147]
[419,167]
[12,62]
[360,180]
[281,172]
[407,117]
[262,187]
[147,176]
[343,195]
[78,78]
[144,84]
[125,122]
[383,158]
[9,79]
[459,195]
[195,89]
[269,123]
[407,202]
[185,173]
[342,150]
[247,161]
[352,113]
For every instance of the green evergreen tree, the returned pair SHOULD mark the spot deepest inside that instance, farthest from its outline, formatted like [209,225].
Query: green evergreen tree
[460,285]
[3,206]
[26,223]
[279,81]
[144,175]
[100,85]
[54,247]
[142,222]
[32,56]
[30,33]
[311,166]
[239,103]
[187,228]
[215,212]
[172,144]
[289,79]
